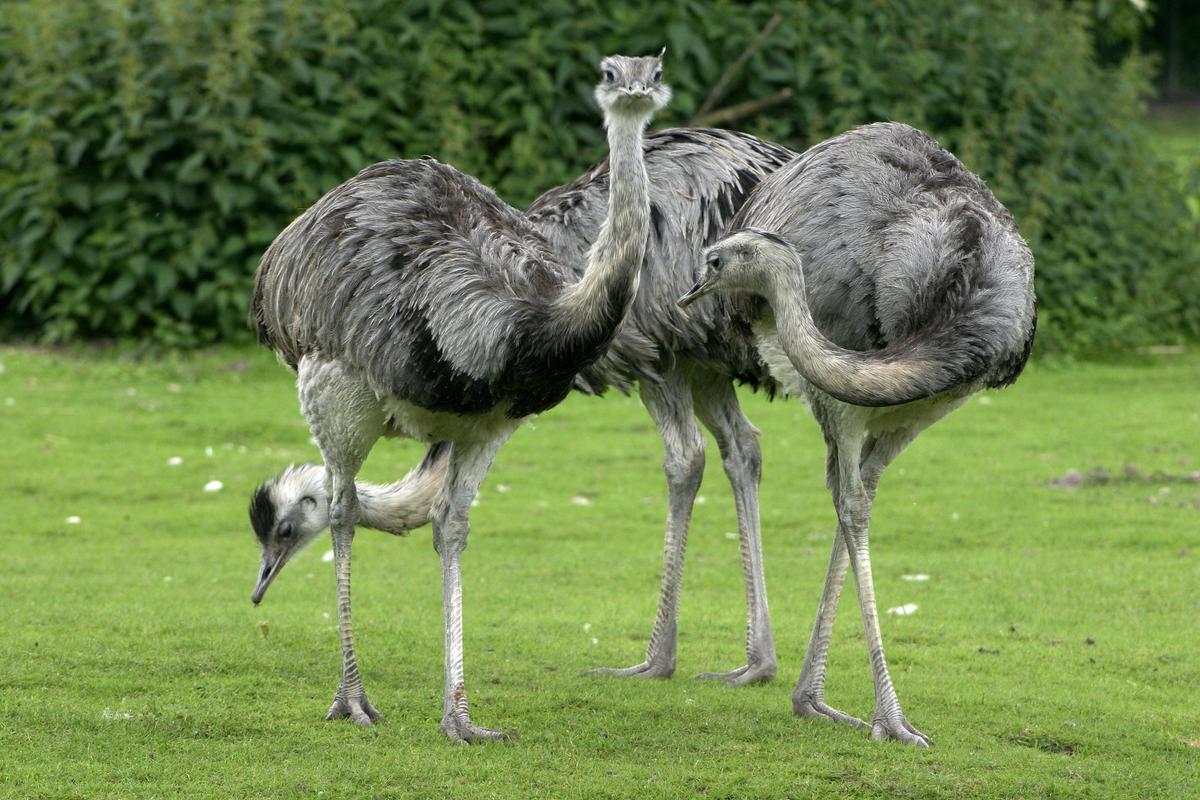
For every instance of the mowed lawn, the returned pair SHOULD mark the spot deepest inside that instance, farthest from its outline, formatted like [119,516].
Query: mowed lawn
[1054,651]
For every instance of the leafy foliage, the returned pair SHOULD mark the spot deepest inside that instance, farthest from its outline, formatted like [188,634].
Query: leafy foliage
[150,149]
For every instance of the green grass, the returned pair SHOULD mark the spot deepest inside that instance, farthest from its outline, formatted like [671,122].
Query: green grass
[1176,134]
[1054,652]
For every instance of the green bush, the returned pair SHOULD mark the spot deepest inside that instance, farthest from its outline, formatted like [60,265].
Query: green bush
[150,149]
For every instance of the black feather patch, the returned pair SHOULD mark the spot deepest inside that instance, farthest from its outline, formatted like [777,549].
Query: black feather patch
[436,452]
[262,513]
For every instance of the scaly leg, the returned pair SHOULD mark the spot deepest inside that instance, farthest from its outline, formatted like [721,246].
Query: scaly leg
[717,405]
[808,698]
[670,404]
[854,513]
[346,421]
[469,463]
[351,699]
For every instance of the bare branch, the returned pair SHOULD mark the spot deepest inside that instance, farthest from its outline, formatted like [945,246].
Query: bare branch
[740,110]
[718,91]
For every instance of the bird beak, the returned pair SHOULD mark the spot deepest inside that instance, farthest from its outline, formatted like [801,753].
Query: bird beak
[266,573]
[701,288]
[637,89]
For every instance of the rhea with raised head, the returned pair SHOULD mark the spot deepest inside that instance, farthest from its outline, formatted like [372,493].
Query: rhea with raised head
[411,301]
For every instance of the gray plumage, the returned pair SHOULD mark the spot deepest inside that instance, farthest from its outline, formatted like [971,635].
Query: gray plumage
[412,302]
[907,255]
[699,178]
[682,362]
[884,283]
[434,289]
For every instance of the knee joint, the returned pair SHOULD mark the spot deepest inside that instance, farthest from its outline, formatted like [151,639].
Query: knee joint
[685,467]
[450,535]
[743,456]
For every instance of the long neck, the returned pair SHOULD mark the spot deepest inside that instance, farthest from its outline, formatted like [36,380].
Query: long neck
[594,307]
[401,506]
[391,507]
[877,378]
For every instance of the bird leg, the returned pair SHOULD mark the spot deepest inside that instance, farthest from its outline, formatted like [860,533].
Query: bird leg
[670,405]
[469,463]
[808,698]
[854,513]
[351,699]
[717,405]
[346,422]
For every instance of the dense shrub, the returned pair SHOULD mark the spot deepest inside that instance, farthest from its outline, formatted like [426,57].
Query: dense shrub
[150,149]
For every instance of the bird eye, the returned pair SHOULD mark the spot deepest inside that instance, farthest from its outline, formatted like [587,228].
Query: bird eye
[657,75]
[610,75]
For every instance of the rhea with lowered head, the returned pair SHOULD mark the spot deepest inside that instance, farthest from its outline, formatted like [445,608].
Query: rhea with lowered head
[411,301]
[884,283]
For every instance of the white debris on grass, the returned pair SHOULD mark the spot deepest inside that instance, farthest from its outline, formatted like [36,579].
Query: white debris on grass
[131,392]
[954,517]
[110,714]
[328,556]
[587,626]
[917,577]
[502,488]
[208,451]
[984,400]
[580,500]
[174,461]
[701,499]
[730,535]
[174,388]
[8,401]
[213,486]
[73,520]
[595,640]
[2,368]
[904,610]
[167,579]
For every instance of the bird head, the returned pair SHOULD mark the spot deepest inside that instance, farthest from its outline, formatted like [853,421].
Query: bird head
[287,512]
[739,261]
[632,86]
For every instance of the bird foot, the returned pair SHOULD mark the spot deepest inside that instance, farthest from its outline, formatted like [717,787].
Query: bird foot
[646,669]
[805,704]
[459,728]
[357,707]
[742,676]
[898,728]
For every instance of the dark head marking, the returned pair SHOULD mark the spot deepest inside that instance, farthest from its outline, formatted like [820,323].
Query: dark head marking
[262,513]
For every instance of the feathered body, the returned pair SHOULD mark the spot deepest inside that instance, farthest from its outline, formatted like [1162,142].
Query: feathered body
[883,283]
[699,178]
[437,292]
[411,301]
[905,251]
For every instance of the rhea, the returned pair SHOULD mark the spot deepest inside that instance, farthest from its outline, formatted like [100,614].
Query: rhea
[411,301]
[884,283]
[683,365]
